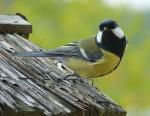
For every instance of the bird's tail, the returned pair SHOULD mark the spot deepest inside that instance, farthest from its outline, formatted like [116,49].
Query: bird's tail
[34,54]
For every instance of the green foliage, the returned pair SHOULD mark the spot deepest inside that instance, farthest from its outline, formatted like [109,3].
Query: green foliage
[57,22]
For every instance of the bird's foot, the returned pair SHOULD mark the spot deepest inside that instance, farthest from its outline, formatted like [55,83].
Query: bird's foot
[77,79]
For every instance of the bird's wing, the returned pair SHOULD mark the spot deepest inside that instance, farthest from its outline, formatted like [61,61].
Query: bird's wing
[69,50]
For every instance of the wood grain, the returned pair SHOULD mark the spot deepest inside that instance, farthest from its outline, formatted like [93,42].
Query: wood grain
[14,23]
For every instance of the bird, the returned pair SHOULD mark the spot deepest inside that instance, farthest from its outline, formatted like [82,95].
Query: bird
[92,57]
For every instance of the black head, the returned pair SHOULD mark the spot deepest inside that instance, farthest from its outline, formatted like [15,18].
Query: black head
[111,38]
[108,24]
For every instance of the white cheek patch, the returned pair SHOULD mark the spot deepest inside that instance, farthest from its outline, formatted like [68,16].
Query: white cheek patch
[99,37]
[118,32]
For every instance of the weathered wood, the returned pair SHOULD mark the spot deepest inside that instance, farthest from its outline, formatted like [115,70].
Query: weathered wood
[14,24]
[36,86]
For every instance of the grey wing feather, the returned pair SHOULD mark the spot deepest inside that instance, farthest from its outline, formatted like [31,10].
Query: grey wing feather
[31,54]
[69,50]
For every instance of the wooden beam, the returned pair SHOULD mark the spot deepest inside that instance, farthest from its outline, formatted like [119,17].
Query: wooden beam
[14,24]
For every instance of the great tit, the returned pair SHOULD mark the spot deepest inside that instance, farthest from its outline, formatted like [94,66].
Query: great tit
[92,57]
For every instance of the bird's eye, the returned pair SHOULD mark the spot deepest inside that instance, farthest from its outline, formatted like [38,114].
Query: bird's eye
[105,28]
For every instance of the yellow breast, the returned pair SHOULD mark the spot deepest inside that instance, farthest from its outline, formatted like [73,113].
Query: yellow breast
[91,70]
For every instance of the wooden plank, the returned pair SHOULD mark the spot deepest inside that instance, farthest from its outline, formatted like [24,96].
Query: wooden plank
[14,24]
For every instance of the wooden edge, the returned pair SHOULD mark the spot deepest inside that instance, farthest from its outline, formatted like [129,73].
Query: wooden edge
[14,24]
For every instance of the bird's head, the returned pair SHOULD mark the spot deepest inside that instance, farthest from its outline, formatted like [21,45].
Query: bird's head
[111,37]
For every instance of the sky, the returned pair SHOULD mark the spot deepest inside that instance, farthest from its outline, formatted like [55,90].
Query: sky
[134,4]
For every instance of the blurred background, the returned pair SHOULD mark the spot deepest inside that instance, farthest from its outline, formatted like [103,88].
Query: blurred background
[57,22]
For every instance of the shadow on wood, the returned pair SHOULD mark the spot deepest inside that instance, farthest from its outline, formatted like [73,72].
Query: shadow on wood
[36,86]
